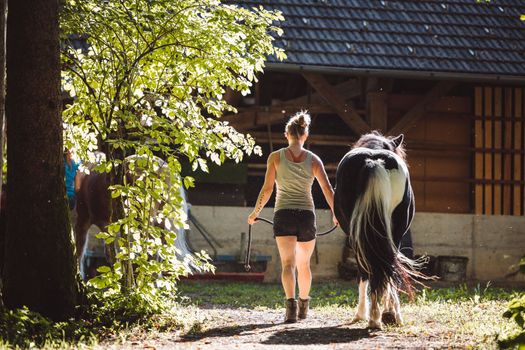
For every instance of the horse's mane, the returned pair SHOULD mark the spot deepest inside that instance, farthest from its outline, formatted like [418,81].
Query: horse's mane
[376,140]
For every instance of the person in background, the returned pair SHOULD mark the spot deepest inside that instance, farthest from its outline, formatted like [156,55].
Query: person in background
[293,170]
[73,178]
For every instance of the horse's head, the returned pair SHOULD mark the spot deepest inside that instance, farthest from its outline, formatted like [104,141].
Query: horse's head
[375,140]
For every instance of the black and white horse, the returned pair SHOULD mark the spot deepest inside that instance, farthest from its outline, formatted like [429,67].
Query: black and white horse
[374,204]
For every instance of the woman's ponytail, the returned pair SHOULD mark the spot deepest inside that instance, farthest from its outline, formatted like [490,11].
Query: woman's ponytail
[298,125]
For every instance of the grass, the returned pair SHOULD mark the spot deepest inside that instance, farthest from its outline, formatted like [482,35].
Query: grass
[468,317]
[323,294]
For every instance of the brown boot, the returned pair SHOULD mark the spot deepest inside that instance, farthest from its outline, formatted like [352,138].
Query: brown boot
[291,311]
[303,308]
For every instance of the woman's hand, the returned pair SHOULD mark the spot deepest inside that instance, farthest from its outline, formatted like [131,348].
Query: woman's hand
[252,217]
[334,219]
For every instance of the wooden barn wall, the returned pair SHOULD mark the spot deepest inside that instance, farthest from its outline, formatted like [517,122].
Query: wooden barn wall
[465,151]
[439,156]
[499,150]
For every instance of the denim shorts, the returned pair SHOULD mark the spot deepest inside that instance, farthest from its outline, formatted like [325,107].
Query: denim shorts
[295,222]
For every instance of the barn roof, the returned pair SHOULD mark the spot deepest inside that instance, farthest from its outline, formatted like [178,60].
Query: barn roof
[418,37]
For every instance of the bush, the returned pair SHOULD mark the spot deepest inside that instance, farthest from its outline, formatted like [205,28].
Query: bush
[516,312]
[102,317]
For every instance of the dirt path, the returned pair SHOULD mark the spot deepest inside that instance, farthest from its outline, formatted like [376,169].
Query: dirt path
[263,329]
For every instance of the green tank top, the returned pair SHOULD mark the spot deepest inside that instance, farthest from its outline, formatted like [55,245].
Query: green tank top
[294,183]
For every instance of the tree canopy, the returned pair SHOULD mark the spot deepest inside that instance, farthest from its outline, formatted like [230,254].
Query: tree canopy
[148,77]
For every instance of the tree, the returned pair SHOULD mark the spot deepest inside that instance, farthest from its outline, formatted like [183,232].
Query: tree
[3,18]
[148,78]
[39,264]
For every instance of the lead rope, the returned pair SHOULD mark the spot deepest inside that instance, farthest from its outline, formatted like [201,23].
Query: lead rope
[247,266]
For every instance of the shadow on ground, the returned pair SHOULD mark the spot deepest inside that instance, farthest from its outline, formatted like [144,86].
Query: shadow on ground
[322,335]
[289,336]
[224,331]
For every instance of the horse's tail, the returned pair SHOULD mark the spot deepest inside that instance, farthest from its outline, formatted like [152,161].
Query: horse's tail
[370,227]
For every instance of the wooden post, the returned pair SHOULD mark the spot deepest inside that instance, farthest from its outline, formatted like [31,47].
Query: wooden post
[487,174]
[478,159]
[376,110]
[497,150]
[518,157]
[507,157]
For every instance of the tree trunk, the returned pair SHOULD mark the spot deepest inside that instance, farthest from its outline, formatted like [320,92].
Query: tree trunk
[3,18]
[116,177]
[40,268]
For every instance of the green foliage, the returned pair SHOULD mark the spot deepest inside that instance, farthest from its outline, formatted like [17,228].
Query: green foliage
[27,329]
[150,82]
[102,317]
[515,312]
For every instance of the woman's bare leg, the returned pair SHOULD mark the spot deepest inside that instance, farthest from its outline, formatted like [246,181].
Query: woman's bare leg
[286,246]
[304,274]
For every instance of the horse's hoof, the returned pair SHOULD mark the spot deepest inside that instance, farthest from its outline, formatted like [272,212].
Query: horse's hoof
[357,318]
[375,325]
[388,318]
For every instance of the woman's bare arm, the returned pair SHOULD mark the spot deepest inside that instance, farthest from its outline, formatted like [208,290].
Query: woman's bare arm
[267,188]
[322,178]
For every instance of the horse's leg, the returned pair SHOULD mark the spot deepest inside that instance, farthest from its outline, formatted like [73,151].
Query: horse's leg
[362,312]
[389,313]
[397,307]
[375,314]
[81,226]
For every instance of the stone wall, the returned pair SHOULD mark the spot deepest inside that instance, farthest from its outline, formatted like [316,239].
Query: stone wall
[491,243]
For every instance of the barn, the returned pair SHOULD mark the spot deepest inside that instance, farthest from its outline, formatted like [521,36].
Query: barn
[449,75]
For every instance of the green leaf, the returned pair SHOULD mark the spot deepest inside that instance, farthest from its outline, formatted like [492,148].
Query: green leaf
[103,269]
[189,182]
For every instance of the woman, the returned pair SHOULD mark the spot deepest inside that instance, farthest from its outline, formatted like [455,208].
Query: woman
[293,169]
[72,177]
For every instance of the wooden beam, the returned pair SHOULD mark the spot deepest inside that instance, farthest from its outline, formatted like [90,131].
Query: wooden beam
[257,116]
[478,156]
[507,158]
[377,110]
[269,115]
[519,133]
[416,112]
[424,148]
[329,93]
[321,140]
[488,156]
[445,104]
[498,143]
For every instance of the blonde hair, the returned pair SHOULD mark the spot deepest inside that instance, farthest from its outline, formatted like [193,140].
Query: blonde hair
[298,125]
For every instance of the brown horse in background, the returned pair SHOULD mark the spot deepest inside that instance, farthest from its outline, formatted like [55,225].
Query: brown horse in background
[93,208]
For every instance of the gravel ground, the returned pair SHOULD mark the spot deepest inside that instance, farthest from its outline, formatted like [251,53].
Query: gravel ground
[234,328]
